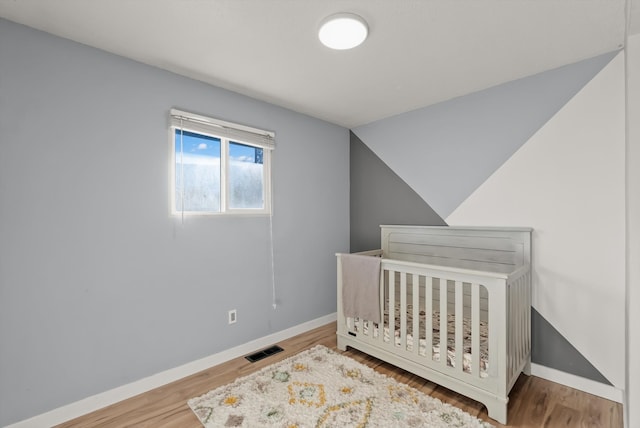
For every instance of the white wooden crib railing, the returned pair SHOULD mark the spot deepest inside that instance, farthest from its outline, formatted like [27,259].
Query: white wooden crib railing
[479,313]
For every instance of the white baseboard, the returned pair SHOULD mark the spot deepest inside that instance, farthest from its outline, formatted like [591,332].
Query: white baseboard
[98,401]
[576,382]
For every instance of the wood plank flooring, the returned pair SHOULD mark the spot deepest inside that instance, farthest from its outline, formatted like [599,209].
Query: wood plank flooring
[534,402]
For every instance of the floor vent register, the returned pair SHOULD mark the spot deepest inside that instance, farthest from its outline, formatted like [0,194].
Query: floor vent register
[257,356]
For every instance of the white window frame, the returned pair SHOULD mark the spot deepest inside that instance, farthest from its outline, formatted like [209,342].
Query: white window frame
[227,132]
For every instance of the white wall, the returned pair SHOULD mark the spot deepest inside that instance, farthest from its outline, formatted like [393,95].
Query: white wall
[567,182]
[632,404]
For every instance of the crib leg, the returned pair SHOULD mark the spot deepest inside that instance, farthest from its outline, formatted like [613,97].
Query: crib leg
[341,344]
[527,367]
[498,410]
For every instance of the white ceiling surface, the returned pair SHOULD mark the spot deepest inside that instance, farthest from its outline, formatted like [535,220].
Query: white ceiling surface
[419,52]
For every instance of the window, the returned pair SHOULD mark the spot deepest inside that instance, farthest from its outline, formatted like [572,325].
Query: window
[218,167]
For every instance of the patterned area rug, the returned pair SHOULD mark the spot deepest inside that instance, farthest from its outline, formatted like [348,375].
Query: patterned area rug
[321,388]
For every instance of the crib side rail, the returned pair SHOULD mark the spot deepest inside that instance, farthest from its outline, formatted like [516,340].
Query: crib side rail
[399,286]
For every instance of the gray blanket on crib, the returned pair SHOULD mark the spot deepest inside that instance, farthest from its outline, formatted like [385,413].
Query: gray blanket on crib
[361,287]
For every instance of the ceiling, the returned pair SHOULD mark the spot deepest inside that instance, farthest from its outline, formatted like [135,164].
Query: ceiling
[419,52]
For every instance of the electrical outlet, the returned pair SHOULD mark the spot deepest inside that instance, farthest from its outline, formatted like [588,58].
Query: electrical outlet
[233,316]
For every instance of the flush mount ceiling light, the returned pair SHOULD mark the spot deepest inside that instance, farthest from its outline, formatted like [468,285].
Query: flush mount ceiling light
[343,31]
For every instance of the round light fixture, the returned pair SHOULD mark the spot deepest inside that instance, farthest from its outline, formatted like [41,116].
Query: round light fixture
[343,31]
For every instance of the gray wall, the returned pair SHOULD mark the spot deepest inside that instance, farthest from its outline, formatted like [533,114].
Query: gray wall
[379,196]
[99,286]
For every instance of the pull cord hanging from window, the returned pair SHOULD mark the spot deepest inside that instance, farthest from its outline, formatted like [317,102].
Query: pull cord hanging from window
[273,263]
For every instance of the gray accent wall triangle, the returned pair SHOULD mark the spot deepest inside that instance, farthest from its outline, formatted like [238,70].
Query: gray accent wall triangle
[550,349]
[379,196]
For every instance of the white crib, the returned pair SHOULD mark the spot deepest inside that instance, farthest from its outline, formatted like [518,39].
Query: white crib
[475,283]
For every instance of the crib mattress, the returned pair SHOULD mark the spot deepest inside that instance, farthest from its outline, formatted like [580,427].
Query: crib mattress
[435,351]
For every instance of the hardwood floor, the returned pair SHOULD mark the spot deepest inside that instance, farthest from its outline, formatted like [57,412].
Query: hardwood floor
[534,402]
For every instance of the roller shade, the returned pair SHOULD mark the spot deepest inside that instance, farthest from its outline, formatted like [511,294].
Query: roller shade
[219,128]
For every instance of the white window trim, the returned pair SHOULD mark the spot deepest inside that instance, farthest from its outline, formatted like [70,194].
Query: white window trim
[227,132]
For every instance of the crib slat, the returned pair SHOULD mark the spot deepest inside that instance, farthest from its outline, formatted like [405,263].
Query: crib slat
[383,299]
[475,330]
[415,281]
[511,327]
[428,309]
[515,302]
[403,311]
[459,326]
[517,334]
[391,309]
[443,322]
